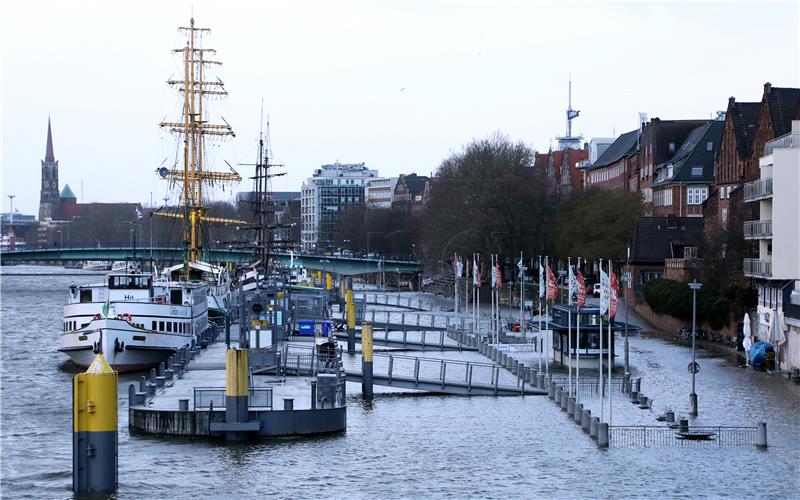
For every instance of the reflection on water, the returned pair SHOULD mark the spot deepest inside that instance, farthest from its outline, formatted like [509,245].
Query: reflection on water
[401,444]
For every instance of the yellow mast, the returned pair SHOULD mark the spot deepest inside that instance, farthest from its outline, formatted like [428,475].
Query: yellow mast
[193,128]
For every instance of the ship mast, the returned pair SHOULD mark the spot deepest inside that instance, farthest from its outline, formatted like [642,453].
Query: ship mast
[194,127]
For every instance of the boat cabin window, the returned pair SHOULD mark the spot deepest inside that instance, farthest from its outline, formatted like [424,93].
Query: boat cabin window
[161,326]
[175,297]
[154,325]
[128,282]
[86,295]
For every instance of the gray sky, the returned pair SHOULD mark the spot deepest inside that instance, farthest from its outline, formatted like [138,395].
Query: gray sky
[396,84]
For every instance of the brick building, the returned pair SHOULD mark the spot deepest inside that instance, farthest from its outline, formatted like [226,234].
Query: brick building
[613,168]
[681,184]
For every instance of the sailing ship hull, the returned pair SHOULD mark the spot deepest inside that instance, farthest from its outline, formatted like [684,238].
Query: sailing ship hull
[125,347]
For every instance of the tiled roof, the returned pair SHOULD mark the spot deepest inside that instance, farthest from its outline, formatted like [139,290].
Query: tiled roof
[694,162]
[658,238]
[744,116]
[624,145]
[783,104]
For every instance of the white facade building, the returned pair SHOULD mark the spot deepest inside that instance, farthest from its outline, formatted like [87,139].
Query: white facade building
[777,232]
[325,196]
[380,192]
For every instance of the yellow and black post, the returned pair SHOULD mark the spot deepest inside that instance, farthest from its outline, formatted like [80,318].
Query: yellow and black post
[351,322]
[328,281]
[237,393]
[94,429]
[366,360]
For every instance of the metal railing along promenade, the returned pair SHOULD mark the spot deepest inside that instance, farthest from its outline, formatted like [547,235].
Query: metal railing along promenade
[421,319]
[395,300]
[661,435]
[214,397]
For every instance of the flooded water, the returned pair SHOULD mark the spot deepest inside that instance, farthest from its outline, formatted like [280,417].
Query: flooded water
[402,445]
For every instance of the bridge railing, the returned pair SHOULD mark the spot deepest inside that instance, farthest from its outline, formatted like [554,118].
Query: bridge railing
[441,371]
[430,320]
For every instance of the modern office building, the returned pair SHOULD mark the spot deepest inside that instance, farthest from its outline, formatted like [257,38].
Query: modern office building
[325,196]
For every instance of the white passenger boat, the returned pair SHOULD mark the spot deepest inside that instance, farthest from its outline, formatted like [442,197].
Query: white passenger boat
[134,321]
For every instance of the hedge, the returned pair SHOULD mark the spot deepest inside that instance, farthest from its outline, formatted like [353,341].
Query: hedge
[675,299]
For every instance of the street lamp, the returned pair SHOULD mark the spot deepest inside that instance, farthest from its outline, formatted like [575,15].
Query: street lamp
[695,286]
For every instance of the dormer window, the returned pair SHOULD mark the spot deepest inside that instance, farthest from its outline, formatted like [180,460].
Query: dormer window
[671,147]
[709,146]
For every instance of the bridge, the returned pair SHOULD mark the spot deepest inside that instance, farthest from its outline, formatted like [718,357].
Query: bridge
[348,266]
[435,375]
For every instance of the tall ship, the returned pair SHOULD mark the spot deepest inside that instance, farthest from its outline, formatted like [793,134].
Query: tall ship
[137,319]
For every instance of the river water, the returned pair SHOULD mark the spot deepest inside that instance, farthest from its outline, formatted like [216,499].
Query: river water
[403,445]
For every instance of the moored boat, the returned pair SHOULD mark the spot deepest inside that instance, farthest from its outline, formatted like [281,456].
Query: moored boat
[132,319]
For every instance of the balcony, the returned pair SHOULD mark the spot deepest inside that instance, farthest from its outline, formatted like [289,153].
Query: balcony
[758,230]
[758,190]
[755,268]
[783,142]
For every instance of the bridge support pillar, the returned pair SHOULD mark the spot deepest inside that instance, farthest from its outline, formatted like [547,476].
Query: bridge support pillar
[366,360]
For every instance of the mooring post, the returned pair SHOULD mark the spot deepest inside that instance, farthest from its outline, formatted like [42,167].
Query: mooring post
[351,322]
[366,360]
[602,435]
[314,394]
[577,413]
[761,435]
[94,432]
[237,392]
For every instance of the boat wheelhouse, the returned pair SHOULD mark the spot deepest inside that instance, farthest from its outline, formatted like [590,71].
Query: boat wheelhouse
[587,347]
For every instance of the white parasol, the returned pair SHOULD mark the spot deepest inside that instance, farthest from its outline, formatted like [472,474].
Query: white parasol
[776,336]
[747,343]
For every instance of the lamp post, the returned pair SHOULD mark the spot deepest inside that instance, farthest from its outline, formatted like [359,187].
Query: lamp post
[695,286]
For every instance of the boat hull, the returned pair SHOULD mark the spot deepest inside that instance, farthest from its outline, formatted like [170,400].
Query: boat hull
[125,347]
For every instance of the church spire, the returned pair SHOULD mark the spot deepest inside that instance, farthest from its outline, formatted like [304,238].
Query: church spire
[49,156]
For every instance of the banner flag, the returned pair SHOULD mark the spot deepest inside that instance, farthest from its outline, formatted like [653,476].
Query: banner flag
[552,284]
[604,291]
[614,295]
[581,290]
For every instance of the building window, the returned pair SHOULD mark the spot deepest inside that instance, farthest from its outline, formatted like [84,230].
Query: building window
[696,171]
[696,195]
[709,146]
[671,147]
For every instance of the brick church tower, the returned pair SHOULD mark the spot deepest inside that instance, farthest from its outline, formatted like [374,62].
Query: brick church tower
[48,200]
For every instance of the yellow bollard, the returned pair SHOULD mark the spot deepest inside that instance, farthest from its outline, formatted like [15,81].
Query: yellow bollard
[351,322]
[94,432]
[366,360]
[237,390]
[328,281]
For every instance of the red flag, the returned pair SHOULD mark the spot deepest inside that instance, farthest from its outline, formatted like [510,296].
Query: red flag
[552,284]
[614,293]
[499,275]
[478,276]
[581,290]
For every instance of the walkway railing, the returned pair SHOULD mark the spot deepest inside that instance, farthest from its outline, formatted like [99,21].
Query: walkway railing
[651,436]
[441,371]
[208,397]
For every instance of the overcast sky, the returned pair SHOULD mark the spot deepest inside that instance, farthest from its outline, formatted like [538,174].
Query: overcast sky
[398,85]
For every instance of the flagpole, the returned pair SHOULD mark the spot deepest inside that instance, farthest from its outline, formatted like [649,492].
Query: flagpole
[521,294]
[546,324]
[600,387]
[493,284]
[569,320]
[539,334]
[610,343]
[455,282]
[578,346]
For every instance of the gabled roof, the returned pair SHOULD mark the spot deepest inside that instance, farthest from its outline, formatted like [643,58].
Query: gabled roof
[693,162]
[415,184]
[624,145]
[783,103]
[658,238]
[67,192]
[744,116]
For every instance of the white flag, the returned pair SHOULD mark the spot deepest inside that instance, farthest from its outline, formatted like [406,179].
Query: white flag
[460,268]
[494,277]
[521,267]
[573,284]
[474,272]
[605,291]
[541,281]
